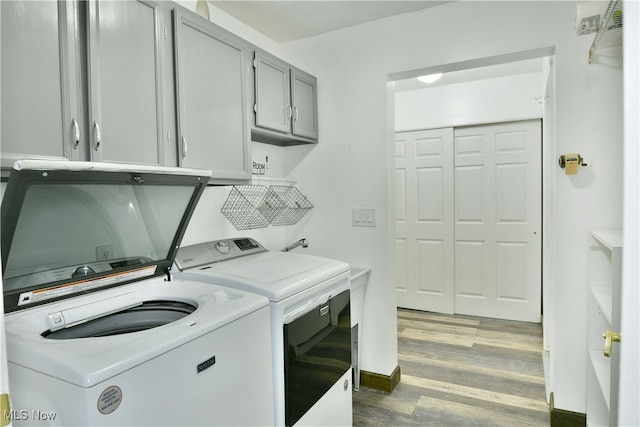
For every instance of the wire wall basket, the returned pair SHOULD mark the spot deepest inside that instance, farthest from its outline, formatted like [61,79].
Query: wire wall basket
[296,205]
[256,206]
[246,207]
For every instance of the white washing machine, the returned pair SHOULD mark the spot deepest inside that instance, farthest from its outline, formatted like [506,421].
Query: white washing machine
[310,315]
[98,332]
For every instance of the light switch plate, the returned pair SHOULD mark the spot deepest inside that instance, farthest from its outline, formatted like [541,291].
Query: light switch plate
[363,217]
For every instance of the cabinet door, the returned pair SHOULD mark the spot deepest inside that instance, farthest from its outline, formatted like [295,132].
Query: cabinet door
[212,118]
[272,90]
[125,81]
[38,99]
[305,101]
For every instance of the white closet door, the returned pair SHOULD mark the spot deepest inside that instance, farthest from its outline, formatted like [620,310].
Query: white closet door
[424,220]
[468,220]
[498,220]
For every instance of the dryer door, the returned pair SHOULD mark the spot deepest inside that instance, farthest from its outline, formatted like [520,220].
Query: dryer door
[317,353]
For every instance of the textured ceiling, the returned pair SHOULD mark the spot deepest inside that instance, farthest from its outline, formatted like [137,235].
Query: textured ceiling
[285,21]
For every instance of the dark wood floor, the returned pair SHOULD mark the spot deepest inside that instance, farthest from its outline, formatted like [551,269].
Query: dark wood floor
[461,371]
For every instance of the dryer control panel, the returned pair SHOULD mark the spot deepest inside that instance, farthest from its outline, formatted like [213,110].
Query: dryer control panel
[216,251]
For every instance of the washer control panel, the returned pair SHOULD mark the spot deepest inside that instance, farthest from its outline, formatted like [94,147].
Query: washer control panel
[216,251]
[65,273]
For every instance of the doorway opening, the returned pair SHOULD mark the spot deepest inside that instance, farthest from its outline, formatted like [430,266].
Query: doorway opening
[503,88]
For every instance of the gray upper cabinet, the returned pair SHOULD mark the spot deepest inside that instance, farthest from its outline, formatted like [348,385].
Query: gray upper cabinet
[285,102]
[39,99]
[111,80]
[125,79]
[82,80]
[305,103]
[213,130]
[272,93]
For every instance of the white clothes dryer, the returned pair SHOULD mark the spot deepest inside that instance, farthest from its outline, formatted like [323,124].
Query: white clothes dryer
[310,315]
[98,332]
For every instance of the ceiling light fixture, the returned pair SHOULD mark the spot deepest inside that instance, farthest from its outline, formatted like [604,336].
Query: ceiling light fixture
[430,78]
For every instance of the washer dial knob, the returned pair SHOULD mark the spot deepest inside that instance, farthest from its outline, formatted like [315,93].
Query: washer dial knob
[82,271]
[223,247]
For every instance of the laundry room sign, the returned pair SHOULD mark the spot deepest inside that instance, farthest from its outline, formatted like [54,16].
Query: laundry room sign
[260,168]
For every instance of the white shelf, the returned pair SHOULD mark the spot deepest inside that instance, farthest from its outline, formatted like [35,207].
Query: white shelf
[609,34]
[262,179]
[609,238]
[605,265]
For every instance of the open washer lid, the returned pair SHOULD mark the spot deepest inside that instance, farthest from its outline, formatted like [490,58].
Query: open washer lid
[70,228]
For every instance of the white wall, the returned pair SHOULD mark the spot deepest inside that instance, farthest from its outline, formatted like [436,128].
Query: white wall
[494,100]
[349,167]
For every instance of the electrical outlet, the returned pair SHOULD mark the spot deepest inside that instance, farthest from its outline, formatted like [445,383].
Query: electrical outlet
[588,24]
[104,252]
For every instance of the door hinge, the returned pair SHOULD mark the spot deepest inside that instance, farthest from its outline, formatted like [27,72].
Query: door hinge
[168,136]
[166,33]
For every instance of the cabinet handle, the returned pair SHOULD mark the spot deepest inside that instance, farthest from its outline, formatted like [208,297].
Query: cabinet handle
[290,111]
[184,147]
[98,135]
[295,114]
[609,338]
[76,133]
